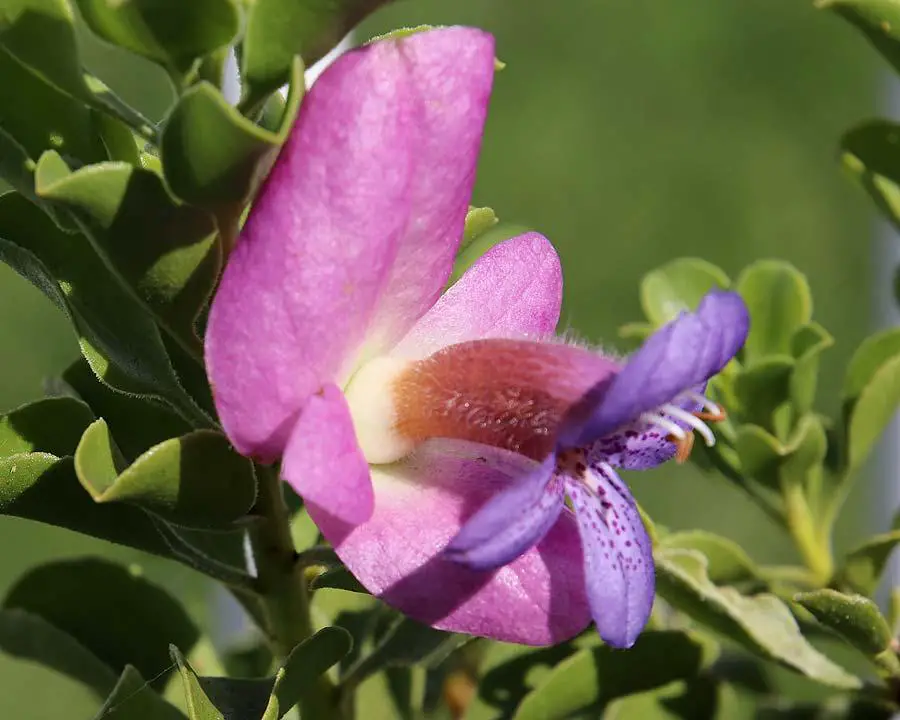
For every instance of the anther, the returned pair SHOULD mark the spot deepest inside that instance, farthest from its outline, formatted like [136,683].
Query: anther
[683,448]
[692,420]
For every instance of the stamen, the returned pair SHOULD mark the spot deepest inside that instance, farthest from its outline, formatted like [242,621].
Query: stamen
[692,420]
[714,411]
[671,428]
[683,448]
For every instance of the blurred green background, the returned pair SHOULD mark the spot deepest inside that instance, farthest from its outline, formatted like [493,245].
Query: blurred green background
[630,132]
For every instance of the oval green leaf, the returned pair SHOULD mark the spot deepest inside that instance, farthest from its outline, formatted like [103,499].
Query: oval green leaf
[854,617]
[780,302]
[51,425]
[727,562]
[863,566]
[196,480]
[678,286]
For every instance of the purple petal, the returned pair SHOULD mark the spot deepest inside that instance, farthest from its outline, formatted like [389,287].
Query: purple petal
[618,559]
[323,462]
[354,233]
[512,291]
[511,522]
[420,505]
[685,353]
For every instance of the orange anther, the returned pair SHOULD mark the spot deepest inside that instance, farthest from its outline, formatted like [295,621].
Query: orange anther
[710,417]
[683,447]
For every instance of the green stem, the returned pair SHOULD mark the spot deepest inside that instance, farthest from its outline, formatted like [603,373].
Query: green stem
[813,549]
[282,587]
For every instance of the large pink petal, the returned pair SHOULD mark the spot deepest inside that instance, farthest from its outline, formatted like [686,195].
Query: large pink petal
[353,233]
[420,504]
[513,291]
[323,462]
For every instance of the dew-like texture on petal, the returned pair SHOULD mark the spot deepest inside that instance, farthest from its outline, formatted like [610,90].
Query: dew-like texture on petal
[323,462]
[509,394]
[618,559]
[514,290]
[683,354]
[512,521]
[420,505]
[353,234]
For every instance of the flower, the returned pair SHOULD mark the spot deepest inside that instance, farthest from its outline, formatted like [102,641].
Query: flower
[407,418]
[637,416]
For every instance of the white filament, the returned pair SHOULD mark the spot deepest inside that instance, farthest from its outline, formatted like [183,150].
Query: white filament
[704,402]
[692,420]
[671,427]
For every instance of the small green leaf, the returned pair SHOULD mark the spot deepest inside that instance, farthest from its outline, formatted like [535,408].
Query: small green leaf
[863,566]
[678,286]
[779,301]
[28,636]
[44,488]
[854,617]
[199,706]
[120,342]
[871,154]
[762,623]
[309,660]
[871,394]
[762,388]
[113,612]
[196,480]
[773,463]
[877,20]
[700,697]
[478,221]
[137,423]
[52,425]
[592,678]
[279,30]
[727,562]
[132,695]
[406,642]
[166,254]
[807,344]
[169,32]
[213,157]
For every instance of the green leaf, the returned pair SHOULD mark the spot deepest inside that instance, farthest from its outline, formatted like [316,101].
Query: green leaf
[854,617]
[52,425]
[478,221]
[871,394]
[807,344]
[137,423]
[279,30]
[877,20]
[44,488]
[132,695]
[591,678]
[779,301]
[196,480]
[28,636]
[120,342]
[265,698]
[405,643]
[727,562]
[199,706]
[871,154]
[165,254]
[700,697]
[214,157]
[169,32]
[307,662]
[762,388]
[509,673]
[863,566]
[762,623]
[678,286]
[112,611]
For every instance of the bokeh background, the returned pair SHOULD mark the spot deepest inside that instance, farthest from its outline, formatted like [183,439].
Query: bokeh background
[630,132]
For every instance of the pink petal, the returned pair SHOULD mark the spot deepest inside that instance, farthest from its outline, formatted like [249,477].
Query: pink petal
[513,291]
[323,462]
[354,232]
[420,504]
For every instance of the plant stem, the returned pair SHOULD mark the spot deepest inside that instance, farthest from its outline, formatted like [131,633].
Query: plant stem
[813,549]
[282,586]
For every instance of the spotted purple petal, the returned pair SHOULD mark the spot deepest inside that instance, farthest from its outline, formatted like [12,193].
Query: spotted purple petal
[618,560]
[685,353]
[511,522]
